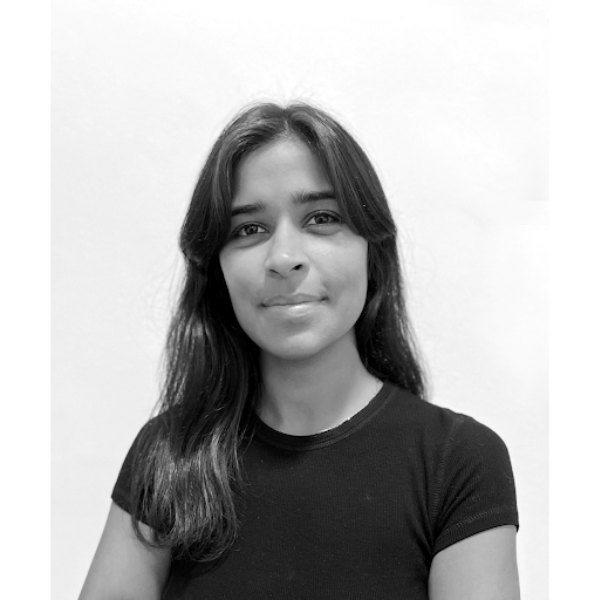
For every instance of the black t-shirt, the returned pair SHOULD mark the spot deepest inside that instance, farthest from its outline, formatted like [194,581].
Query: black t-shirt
[358,511]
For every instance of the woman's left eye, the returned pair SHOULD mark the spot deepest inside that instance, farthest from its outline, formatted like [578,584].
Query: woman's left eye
[324,218]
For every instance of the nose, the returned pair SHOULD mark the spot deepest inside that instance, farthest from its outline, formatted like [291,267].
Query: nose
[286,252]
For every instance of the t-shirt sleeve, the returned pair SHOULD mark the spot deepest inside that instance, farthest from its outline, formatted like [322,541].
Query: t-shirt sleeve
[121,491]
[475,489]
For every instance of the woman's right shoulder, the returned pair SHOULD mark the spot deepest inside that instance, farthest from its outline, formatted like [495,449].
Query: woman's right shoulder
[153,428]
[150,433]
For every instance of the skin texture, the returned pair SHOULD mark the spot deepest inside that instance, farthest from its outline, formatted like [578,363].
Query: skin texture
[124,568]
[481,567]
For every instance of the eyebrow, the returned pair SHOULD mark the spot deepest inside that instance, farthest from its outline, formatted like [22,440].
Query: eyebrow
[299,198]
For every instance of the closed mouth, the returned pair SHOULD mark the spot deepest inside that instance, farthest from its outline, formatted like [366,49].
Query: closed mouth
[293,300]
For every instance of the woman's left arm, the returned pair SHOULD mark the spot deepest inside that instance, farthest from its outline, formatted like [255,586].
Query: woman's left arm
[480,567]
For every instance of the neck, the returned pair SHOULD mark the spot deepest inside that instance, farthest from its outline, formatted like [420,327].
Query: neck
[303,397]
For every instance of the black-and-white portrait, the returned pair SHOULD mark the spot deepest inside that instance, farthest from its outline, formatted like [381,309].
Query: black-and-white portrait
[299,299]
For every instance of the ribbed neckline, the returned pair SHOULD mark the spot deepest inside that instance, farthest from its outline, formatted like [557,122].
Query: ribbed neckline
[330,436]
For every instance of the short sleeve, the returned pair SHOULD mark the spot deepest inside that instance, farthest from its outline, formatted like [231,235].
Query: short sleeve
[475,488]
[121,493]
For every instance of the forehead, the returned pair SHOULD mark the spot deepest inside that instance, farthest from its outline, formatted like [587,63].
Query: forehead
[281,167]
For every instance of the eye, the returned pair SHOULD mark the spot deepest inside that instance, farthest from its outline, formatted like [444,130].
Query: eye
[247,230]
[324,218]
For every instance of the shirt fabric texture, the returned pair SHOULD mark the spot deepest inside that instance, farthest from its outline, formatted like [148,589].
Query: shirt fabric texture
[355,512]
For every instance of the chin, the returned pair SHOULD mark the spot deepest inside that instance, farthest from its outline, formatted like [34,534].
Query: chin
[299,347]
[293,352]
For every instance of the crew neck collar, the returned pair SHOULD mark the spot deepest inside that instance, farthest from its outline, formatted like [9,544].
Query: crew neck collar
[330,436]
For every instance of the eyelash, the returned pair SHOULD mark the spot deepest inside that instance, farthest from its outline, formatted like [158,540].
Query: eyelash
[237,233]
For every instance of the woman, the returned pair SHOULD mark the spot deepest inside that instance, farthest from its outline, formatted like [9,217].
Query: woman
[295,454]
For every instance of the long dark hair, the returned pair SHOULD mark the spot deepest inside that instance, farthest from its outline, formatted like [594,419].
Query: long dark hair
[187,473]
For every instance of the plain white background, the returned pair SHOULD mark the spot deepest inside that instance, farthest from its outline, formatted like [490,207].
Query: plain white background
[449,99]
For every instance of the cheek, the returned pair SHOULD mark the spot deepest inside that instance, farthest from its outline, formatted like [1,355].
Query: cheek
[228,270]
[349,273]
[238,277]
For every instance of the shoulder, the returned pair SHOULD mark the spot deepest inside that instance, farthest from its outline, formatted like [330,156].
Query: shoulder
[155,428]
[137,467]
[436,422]
[466,465]
[450,440]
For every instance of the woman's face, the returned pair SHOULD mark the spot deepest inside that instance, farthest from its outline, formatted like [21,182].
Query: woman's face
[296,274]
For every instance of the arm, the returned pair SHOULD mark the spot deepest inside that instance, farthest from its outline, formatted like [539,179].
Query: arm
[124,568]
[480,567]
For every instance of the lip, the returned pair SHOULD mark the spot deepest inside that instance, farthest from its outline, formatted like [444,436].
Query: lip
[292,300]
